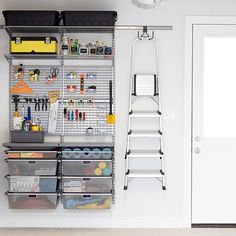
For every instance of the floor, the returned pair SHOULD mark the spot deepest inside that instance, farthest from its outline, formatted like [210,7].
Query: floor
[118,232]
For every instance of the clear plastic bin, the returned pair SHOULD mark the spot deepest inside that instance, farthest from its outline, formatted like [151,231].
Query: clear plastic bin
[91,185]
[32,167]
[32,200]
[87,153]
[31,154]
[87,168]
[32,183]
[92,201]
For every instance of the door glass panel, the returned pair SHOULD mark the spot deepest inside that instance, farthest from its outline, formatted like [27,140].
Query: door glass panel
[219,87]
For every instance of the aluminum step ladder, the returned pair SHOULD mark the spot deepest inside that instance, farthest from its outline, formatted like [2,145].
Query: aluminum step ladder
[145,85]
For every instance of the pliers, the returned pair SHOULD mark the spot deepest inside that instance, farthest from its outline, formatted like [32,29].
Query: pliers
[44,103]
[37,104]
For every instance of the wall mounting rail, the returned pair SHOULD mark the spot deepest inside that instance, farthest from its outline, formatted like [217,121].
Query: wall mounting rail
[72,29]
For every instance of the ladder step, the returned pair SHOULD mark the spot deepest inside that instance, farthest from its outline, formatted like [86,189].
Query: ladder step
[145,174]
[148,114]
[145,133]
[145,153]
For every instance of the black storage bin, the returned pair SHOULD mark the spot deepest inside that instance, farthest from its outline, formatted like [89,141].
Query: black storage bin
[31,18]
[27,137]
[89,18]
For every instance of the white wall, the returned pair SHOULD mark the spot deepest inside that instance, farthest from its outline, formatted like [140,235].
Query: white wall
[144,204]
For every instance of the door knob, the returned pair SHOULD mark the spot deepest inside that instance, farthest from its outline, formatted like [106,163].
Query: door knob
[197,139]
[197,150]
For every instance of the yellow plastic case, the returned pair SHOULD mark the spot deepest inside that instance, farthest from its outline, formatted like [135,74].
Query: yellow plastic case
[36,45]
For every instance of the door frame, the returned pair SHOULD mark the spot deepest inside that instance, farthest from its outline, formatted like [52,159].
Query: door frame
[190,21]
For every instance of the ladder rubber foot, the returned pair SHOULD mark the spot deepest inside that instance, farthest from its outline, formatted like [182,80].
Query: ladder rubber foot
[163,187]
[161,171]
[125,187]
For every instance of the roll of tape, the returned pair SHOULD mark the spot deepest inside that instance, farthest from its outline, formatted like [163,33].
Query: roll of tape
[77,153]
[98,171]
[102,165]
[96,153]
[106,152]
[106,171]
[67,153]
[86,152]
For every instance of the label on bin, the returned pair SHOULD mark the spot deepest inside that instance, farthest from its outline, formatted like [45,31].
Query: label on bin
[45,171]
[74,186]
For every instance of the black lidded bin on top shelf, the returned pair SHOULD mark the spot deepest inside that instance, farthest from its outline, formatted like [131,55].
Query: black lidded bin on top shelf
[31,18]
[89,18]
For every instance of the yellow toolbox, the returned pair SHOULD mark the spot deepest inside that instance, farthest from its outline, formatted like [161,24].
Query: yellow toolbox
[33,45]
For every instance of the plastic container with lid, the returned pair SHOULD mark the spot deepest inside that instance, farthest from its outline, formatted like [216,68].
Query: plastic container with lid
[92,49]
[65,46]
[100,47]
[108,50]
[31,18]
[89,18]
[83,50]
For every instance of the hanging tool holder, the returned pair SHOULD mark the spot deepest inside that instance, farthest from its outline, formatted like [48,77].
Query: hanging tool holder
[87,101]
[38,100]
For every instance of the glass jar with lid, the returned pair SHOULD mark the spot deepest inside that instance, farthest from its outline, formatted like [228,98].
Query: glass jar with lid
[83,49]
[108,50]
[92,49]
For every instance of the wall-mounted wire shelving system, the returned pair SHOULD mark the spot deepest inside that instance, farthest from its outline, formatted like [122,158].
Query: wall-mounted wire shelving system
[96,106]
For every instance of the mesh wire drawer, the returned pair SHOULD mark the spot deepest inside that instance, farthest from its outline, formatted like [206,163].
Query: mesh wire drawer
[32,201]
[32,167]
[31,154]
[92,185]
[93,201]
[87,168]
[32,183]
[96,153]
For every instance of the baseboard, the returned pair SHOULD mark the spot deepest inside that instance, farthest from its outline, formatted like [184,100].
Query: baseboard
[78,222]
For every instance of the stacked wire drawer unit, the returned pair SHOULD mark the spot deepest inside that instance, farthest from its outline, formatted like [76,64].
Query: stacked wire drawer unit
[33,179]
[87,177]
[82,174]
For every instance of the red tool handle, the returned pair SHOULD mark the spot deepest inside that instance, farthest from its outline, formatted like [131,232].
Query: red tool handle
[76,114]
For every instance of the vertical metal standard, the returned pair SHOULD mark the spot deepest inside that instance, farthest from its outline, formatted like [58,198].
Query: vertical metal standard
[113,126]
[10,102]
[62,89]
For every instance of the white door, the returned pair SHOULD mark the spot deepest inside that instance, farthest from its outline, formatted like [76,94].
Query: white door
[214,125]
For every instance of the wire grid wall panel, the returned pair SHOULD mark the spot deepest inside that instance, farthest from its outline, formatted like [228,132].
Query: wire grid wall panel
[94,103]
[40,91]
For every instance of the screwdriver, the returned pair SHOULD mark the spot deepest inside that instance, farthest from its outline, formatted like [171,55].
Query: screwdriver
[80,116]
[65,113]
[76,114]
